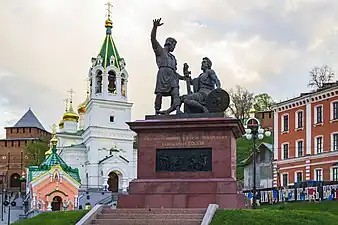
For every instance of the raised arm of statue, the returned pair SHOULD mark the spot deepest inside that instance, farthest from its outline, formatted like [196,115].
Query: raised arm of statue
[156,46]
[214,78]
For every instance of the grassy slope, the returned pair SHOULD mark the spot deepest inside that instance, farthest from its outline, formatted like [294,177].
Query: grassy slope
[244,149]
[288,214]
[55,218]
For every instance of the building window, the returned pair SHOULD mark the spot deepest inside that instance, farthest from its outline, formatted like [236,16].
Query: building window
[285,151]
[335,174]
[319,144]
[285,180]
[335,110]
[30,130]
[299,119]
[300,148]
[285,123]
[319,174]
[111,119]
[319,114]
[334,142]
[299,177]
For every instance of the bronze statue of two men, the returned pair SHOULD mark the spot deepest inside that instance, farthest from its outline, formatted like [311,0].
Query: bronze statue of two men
[205,96]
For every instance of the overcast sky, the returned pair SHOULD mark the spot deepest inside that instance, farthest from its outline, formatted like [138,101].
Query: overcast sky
[266,46]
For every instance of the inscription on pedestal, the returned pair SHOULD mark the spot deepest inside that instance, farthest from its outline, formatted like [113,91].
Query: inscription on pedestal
[184,160]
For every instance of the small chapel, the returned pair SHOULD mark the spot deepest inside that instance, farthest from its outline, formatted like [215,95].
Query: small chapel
[53,185]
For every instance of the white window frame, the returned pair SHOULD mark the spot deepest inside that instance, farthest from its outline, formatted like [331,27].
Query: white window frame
[331,110]
[282,149]
[315,115]
[296,150]
[331,172]
[299,171]
[332,141]
[282,181]
[315,174]
[282,123]
[296,120]
[315,143]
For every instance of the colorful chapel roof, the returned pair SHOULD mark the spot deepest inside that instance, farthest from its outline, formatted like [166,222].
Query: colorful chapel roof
[51,161]
[108,54]
[29,120]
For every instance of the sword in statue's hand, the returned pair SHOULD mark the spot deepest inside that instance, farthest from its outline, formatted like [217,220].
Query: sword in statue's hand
[187,77]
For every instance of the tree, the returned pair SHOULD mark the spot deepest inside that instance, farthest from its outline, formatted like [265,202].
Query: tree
[241,102]
[263,102]
[320,76]
[35,153]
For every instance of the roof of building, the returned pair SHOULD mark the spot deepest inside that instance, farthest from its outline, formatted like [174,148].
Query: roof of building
[50,161]
[249,159]
[108,54]
[304,95]
[29,120]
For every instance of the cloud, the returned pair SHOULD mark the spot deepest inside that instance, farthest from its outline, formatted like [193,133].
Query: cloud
[46,46]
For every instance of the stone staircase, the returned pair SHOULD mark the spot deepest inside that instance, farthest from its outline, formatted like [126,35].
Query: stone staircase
[111,216]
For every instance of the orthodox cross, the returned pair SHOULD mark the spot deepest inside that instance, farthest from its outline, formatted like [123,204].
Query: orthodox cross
[66,101]
[71,92]
[87,85]
[53,129]
[109,6]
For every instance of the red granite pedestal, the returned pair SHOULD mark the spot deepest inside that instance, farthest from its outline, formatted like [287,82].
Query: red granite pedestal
[195,189]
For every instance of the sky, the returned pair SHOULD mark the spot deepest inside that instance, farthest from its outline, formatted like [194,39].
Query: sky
[266,46]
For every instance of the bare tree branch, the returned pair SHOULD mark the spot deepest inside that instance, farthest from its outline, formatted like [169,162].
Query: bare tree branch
[320,76]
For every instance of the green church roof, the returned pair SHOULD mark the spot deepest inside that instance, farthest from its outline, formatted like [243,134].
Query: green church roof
[108,49]
[52,160]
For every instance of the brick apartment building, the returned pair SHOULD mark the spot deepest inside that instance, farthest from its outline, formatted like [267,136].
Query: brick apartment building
[306,137]
[27,129]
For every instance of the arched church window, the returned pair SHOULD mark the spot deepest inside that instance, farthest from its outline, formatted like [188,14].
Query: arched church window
[15,180]
[99,82]
[112,82]
[123,85]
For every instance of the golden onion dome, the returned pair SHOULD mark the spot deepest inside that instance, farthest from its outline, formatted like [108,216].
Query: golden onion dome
[70,115]
[61,124]
[81,109]
[108,23]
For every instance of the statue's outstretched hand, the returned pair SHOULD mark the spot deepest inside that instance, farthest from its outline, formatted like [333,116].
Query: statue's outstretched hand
[157,22]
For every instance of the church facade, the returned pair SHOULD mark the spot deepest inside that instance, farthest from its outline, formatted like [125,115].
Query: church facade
[96,138]
[53,185]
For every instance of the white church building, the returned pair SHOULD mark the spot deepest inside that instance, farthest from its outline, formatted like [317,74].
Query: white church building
[96,138]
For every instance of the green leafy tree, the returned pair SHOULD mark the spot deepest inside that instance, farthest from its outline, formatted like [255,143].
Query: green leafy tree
[35,153]
[241,101]
[263,102]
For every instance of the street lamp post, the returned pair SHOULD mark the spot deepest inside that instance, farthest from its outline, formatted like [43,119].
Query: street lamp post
[255,132]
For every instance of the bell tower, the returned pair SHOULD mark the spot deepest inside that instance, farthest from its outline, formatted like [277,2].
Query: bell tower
[108,109]
[108,76]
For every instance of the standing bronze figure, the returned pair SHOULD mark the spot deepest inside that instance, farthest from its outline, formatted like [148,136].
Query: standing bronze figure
[167,80]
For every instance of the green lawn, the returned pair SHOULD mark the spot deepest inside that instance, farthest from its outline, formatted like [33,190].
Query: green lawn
[55,218]
[287,214]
